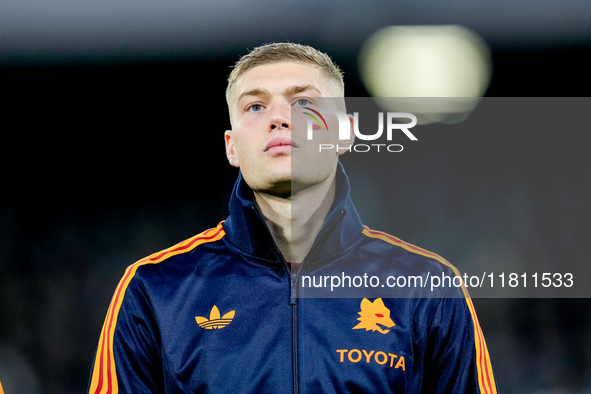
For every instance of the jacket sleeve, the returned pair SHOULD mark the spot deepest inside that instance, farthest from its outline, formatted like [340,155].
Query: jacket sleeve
[457,359]
[128,356]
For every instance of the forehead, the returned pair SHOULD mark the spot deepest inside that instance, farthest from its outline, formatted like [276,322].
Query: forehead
[280,76]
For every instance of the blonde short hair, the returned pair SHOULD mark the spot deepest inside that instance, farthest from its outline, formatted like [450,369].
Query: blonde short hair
[286,52]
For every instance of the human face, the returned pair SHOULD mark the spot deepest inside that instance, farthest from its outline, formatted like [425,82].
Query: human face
[271,155]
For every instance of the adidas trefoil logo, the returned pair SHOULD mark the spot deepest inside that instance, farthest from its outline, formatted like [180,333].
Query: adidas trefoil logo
[215,321]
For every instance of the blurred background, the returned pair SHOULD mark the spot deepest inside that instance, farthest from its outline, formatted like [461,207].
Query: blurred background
[112,117]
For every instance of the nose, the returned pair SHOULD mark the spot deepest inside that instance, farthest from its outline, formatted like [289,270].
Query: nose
[280,118]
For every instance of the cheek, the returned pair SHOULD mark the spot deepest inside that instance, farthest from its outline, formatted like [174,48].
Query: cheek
[245,152]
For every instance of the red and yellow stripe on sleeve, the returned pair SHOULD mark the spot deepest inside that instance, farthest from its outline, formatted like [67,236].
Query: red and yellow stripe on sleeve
[486,380]
[104,376]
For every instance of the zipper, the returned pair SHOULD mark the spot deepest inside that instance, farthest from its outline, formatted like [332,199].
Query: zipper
[294,346]
[294,309]
[293,289]
[294,306]
[293,294]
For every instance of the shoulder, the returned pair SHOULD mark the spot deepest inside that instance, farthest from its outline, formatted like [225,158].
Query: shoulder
[163,260]
[389,243]
[160,269]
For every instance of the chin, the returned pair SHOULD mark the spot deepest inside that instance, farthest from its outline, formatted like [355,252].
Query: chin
[277,183]
[279,188]
[279,174]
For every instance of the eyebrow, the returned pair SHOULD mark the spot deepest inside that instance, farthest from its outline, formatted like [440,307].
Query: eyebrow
[254,92]
[290,91]
[299,89]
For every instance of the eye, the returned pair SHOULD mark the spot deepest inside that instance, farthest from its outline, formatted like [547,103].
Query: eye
[302,102]
[379,315]
[255,108]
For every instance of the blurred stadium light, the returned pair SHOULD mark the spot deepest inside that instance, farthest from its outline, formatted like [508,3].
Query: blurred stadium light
[415,62]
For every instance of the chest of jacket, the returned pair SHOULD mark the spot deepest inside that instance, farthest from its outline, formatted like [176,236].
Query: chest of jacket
[230,325]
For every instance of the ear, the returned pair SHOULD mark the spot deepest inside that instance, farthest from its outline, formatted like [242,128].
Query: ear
[230,149]
[349,141]
[379,303]
[366,304]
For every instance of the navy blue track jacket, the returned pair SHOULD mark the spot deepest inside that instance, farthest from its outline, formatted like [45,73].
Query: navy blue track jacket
[223,313]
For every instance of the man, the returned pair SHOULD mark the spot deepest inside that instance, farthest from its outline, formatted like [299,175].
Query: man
[220,312]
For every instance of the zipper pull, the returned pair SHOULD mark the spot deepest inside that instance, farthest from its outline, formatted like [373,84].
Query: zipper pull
[293,289]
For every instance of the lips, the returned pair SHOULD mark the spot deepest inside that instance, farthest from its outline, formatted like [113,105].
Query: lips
[280,144]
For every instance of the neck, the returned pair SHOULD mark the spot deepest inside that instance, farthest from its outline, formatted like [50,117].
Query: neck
[296,220]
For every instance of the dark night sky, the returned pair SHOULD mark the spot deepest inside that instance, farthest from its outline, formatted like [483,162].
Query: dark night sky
[105,162]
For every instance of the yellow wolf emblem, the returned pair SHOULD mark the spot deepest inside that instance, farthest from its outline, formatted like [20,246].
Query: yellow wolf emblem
[373,315]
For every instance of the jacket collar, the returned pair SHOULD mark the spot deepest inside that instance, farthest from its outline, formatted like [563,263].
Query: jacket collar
[246,229]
